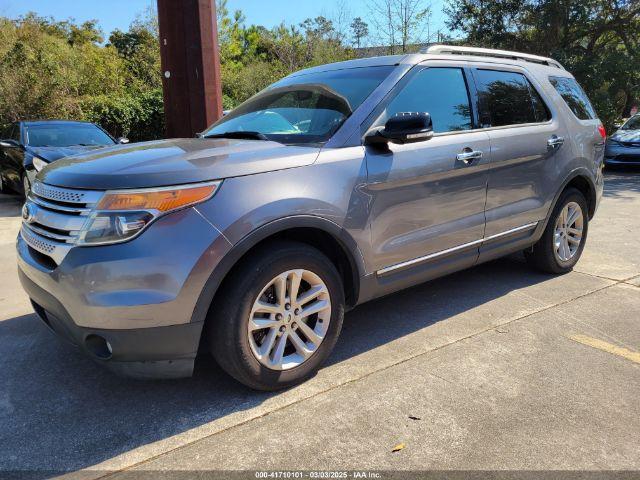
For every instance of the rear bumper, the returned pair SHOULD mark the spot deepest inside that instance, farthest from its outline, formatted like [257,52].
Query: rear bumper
[160,352]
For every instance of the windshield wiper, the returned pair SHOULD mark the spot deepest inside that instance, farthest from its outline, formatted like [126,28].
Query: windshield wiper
[240,135]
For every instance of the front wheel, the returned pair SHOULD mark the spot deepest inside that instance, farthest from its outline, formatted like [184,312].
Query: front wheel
[562,242]
[278,316]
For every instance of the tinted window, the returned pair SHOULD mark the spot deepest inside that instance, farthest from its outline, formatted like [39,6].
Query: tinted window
[305,108]
[442,92]
[507,98]
[632,124]
[574,97]
[15,132]
[61,135]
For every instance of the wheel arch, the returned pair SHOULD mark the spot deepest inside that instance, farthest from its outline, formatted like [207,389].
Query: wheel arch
[318,232]
[581,180]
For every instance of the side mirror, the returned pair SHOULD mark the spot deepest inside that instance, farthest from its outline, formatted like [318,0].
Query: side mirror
[406,127]
[9,143]
[122,140]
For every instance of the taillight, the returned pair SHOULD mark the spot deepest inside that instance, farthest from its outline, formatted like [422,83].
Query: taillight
[603,131]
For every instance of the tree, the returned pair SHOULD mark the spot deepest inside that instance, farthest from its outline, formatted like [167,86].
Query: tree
[597,40]
[359,30]
[400,23]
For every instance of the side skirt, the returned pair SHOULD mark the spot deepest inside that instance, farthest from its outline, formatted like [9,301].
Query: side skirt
[422,269]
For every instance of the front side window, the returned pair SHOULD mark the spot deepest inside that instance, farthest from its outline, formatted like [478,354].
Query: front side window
[574,97]
[304,109]
[60,135]
[441,92]
[508,98]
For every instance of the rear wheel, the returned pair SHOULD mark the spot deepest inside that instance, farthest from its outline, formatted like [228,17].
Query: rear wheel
[278,317]
[563,240]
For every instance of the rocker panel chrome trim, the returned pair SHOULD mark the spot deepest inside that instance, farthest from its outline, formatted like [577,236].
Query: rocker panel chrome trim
[425,258]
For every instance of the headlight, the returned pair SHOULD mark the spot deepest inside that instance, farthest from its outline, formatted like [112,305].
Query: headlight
[121,215]
[38,163]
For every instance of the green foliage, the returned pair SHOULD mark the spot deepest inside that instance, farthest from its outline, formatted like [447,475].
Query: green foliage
[135,116]
[253,57]
[52,69]
[62,69]
[597,40]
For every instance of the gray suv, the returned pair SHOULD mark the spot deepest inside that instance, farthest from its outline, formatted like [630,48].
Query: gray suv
[333,186]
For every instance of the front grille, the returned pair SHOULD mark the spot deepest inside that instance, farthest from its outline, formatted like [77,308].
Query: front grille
[53,218]
[628,158]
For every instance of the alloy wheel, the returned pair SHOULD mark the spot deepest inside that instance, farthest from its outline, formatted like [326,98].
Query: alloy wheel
[568,232]
[289,319]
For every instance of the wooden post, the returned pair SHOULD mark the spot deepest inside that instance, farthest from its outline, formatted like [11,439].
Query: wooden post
[190,61]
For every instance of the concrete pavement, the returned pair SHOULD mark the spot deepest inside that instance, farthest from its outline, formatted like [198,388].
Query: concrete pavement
[492,361]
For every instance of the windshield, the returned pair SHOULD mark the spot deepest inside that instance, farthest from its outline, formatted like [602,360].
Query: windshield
[632,124]
[61,135]
[306,109]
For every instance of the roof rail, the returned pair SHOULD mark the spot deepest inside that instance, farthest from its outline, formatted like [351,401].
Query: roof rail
[488,52]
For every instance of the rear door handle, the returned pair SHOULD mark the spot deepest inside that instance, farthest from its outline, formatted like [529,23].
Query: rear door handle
[468,155]
[555,142]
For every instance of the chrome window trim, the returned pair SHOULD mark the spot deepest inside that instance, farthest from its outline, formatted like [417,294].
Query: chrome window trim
[408,263]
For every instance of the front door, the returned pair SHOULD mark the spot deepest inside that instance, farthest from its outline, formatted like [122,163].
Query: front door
[428,198]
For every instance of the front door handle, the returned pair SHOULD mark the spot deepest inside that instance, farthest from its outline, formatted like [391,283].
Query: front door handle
[467,156]
[555,142]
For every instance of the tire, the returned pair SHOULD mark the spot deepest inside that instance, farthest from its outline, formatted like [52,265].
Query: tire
[237,351]
[548,255]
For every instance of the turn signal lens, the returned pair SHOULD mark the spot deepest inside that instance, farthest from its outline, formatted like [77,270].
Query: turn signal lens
[161,200]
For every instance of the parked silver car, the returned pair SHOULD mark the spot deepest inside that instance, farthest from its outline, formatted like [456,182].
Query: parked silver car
[334,186]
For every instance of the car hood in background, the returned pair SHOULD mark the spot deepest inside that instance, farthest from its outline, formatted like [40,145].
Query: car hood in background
[173,162]
[632,136]
[51,154]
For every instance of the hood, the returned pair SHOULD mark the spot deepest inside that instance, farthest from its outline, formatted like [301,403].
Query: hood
[51,154]
[173,162]
[631,136]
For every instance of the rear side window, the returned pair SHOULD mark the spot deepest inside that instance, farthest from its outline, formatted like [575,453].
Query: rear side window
[442,92]
[508,98]
[574,97]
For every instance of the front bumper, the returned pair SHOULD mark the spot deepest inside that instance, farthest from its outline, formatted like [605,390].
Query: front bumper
[621,155]
[130,306]
[162,352]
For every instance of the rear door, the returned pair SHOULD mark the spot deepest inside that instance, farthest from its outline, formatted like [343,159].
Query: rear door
[527,142]
[428,198]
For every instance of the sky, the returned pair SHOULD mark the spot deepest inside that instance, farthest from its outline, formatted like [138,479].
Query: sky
[113,14]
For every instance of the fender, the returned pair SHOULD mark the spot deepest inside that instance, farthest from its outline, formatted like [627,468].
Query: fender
[225,265]
[578,172]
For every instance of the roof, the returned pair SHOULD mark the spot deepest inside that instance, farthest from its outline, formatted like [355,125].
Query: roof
[357,63]
[435,52]
[492,53]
